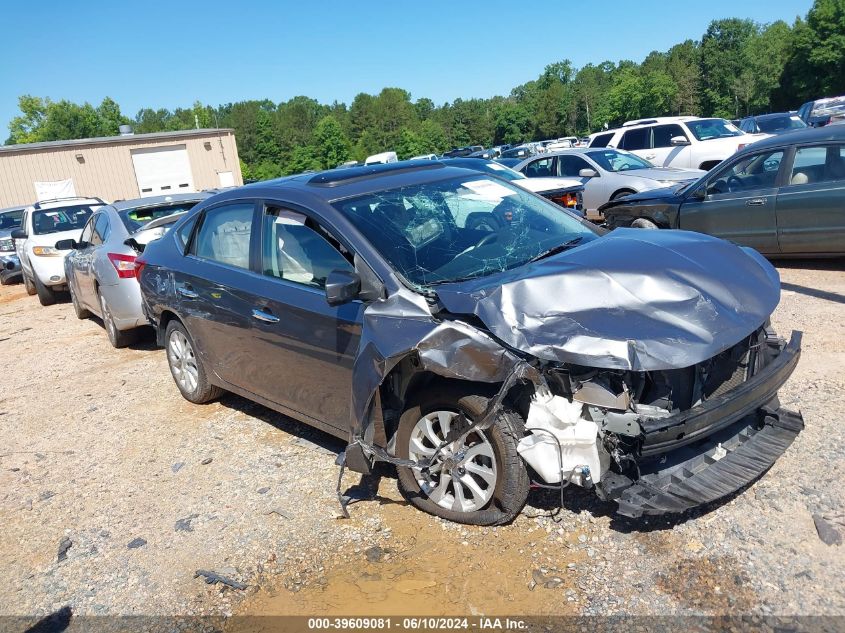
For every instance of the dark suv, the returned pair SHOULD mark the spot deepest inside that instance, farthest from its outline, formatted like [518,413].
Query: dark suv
[479,337]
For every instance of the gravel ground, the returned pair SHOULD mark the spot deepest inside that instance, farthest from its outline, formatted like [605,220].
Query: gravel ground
[114,492]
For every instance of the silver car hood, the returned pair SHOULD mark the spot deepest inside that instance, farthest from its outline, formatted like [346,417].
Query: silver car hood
[664,173]
[633,300]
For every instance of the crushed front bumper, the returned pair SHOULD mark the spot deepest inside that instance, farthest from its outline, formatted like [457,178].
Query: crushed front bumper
[714,449]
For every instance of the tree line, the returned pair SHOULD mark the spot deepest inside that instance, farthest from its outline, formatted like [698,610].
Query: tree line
[737,68]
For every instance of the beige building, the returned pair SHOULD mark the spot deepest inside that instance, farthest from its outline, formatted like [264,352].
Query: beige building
[119,167]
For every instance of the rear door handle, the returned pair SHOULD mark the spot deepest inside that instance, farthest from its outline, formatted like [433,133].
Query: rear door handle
[755,202]
[650,156]
[263,315]
[186,292]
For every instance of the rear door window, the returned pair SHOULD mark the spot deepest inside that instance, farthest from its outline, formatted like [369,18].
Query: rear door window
[540,168]
[636,139]
[224,235]
[602,140]
[824,163]
[101,229]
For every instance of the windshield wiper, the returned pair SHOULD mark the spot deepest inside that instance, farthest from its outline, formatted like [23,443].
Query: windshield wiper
[556,249]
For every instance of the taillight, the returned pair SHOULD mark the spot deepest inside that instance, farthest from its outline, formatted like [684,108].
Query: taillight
[139,266]
[123,264]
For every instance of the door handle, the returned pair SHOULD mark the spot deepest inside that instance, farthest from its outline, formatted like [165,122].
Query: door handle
[186,292]
[265,316]
[755,202]
[650,156]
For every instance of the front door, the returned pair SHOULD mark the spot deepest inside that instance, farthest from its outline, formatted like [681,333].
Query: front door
[811,204]
[663,153]
[303,348]
[738,202]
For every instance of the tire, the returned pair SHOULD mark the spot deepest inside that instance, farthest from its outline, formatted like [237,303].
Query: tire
[118,338]
[508,485]
[179,347]
[27,282]
[81,313]
[46,295]
[643,223]
[621,194]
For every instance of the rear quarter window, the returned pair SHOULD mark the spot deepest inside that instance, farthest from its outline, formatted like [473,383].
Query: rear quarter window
[602,140]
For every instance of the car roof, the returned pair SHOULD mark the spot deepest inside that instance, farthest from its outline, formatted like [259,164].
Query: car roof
[334,184]
[804,135]
[11,209]
[64,202]
[771,115]
[159,201]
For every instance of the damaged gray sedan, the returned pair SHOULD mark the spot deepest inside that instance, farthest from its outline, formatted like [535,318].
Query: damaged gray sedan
[479,338]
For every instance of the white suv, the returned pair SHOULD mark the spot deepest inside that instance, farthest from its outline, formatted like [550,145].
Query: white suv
[678,141]
[43,224]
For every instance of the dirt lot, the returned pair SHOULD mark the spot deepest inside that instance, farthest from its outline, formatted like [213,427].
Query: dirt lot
[99,451]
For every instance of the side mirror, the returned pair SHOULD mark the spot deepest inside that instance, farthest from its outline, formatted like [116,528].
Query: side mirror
[67,245]
[588,173]
[679,140]
[342,286]
[18,234]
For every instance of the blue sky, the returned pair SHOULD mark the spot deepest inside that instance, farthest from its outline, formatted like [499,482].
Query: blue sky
[169,54]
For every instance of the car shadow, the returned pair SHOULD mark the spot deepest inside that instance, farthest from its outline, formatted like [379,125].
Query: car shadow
[320,439]
[813,292]
[831,263]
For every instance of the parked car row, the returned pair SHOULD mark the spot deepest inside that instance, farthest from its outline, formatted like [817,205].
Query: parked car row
[446,320]
[784,196]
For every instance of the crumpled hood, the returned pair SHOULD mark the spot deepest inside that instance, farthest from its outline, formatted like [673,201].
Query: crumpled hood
[633,299]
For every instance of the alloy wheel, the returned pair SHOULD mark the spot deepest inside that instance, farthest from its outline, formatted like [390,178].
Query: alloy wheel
[183,363]
[464,472]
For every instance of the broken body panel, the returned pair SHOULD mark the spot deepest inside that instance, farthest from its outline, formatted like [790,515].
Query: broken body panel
[657,342]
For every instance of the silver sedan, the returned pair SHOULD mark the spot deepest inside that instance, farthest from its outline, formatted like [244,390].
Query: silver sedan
[607,173]
[100,270]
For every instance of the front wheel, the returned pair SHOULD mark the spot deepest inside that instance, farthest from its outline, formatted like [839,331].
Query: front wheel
[46,295]
[480,480]
[27,283]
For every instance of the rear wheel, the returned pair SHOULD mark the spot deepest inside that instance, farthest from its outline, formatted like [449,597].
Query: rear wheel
[186,368]
[118,338]
[46,295]
[480,480]
[643,223]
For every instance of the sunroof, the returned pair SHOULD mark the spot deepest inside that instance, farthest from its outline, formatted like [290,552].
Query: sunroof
[341,176]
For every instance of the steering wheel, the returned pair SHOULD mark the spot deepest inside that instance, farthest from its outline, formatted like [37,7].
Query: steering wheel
[490,237]
[734,179]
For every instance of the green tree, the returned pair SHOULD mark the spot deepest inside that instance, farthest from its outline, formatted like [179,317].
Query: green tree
[331,145]
[25,127]
[432,138]
[722,61]
[302,159]
[410,144]
[816,63]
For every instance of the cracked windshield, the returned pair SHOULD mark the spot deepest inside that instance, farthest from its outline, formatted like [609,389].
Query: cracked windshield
[462,228]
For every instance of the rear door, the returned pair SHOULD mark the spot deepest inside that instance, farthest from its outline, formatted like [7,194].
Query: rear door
[737,202]
[96,230]
[811,203]
[212,290]
[302,348]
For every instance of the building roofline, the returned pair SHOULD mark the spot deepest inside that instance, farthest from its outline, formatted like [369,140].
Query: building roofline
[114,140]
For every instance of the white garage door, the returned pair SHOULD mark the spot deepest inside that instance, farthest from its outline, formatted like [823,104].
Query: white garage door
[163,170]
